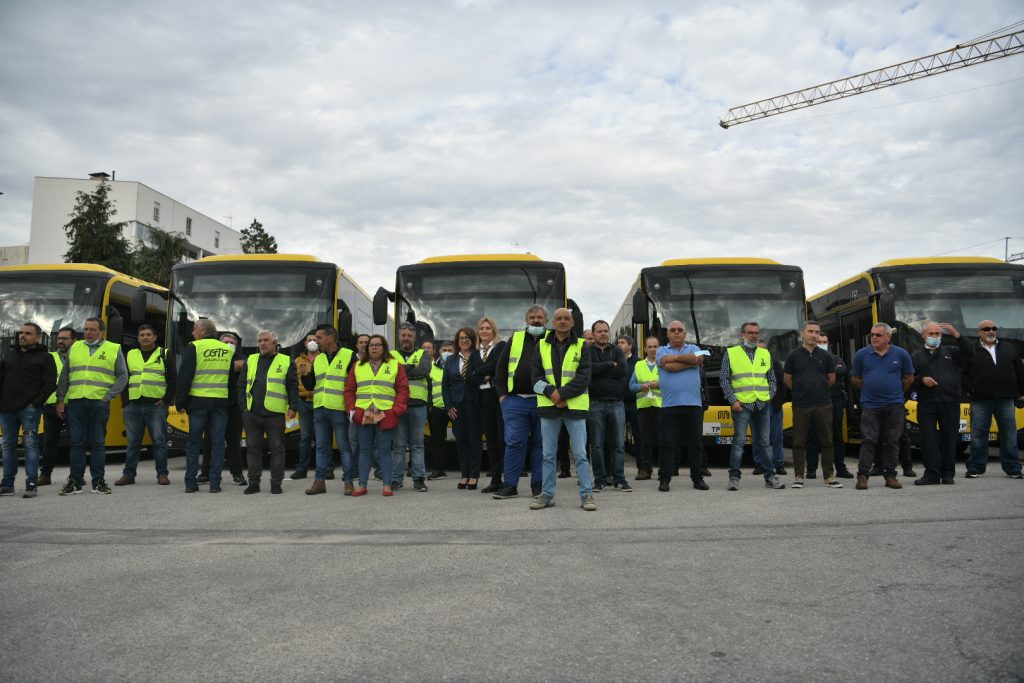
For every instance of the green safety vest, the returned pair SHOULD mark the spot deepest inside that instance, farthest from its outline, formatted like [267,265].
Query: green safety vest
[213,369]
[417,387]
[436,377]
[59,362]
[515,351]
[330,380]
[91,375]
[570,362]
[376,389]
[646,374]
[749,379]
[276,398]
[146,378]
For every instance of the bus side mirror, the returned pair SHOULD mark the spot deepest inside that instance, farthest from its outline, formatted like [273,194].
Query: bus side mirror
[577,317]
[344,326]
[115,325]
[640,309]
[380,306]
[184,327]
[138,307]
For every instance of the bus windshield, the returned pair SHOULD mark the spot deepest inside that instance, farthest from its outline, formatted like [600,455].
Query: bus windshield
[962,298]
[246,300]
[443,299]
[713,304]
[51,300]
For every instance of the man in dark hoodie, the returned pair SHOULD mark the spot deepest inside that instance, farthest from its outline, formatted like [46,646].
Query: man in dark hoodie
[28,376]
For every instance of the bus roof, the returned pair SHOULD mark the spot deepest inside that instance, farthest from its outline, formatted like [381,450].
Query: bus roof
[461,258]
[76,268]
[259,257]
[937,260]
[721,261]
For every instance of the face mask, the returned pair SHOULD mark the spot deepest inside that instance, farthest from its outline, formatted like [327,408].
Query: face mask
[445,355]
[933,342]
[312,346]
[749,345]
[823,347]
[535,330]
[232,347]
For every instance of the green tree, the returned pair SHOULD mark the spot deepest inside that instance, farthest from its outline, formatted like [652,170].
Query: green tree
[256,240]
[93,237]
[153,261]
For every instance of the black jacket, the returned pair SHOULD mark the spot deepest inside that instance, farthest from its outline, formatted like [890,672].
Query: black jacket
[1002,379]
[628,397]
[522,380]
[26,377]
[484,371]
[607,370]
[944,365]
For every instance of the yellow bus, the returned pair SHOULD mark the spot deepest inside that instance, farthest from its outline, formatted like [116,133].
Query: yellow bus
[713,297]
[59,294]
[907,293]
[288,293]
[440,294]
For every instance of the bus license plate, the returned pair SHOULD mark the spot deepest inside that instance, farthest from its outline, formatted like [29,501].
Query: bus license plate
[723,440]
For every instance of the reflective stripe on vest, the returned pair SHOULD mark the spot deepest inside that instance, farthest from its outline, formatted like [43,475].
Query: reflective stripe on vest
[514,354]
[750,379]
[276,398]
[59,362]
[570,363]
[146,378]
[417,387]
[91,375]
[436,377]
[376,389]
[644,374]
[329,391]
[213,369]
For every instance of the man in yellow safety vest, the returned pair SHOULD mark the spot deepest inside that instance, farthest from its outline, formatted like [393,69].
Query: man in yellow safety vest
[150,392]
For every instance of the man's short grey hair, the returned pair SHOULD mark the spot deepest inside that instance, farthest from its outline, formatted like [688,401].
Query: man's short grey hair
[536,308]
[407,326]
[207,326]
[273,335]
[884,326]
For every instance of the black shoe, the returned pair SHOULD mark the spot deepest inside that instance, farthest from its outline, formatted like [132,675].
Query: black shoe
[191,489]
[924,481]
[974,475]
[100,486]
[663,486]
[490,488]
[506,491]
[536,490]
[203,479]
[238,480]
[397,485]
[810,475]
[758,470]
[275,488]
[598,487]
[419,485]
[845,474]
[705,472]
[329,475]
[251,489]
[70,488]
[214,489]
[780,470]
[948,482]
[436,474]
[298,474]
[909,473]
[700,485]
[564,474]
[1016,475]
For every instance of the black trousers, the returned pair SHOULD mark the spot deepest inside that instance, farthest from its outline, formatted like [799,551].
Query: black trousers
[437,446]
[881,426]
[940,429]
[53,425]
[493,428]
[264,430]
[681,426]
[467,438]
[233,452]
[647,437]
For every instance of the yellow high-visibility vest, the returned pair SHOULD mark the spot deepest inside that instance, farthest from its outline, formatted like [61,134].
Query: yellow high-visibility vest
[645,374]
[570,363]
[749,379]
[91,375]
[276,397]
[330,380]
[376,388]
[213,369]
[146,378]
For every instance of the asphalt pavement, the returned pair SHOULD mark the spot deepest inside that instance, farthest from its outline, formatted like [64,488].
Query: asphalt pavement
[150,583]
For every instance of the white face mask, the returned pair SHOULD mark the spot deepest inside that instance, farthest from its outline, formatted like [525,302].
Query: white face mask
[312,346]
[230,346]
[535,330]
[445,355]
[823,347]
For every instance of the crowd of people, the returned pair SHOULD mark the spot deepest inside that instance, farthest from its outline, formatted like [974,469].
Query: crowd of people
[528,402]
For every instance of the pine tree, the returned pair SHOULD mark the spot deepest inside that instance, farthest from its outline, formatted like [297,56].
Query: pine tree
[153,261]
[256,240]
[92,235]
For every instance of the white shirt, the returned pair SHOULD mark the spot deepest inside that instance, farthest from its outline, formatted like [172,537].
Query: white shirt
[490,349]
[991,350]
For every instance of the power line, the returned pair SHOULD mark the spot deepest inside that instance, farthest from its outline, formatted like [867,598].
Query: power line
[979,244]
[992,33]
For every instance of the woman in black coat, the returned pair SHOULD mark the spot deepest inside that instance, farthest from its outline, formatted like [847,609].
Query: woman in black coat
[461,402]
[491,425]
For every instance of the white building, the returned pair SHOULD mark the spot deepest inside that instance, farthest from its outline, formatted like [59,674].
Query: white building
[14,256]
[53,199]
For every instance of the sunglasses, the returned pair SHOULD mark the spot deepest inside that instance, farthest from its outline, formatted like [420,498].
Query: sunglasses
[988,329]
[879,334]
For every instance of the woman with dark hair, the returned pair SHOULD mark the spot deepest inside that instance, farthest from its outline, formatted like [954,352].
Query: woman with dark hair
[378,391]
[460,394]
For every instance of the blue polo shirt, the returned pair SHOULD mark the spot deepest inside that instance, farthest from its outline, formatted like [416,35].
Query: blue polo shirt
[882,375]
[678,388]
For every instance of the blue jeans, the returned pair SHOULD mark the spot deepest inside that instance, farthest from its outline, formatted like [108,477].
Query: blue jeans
[982,413]
[577,429]
[760,423]
[777,457]
[87,428]
[374,446]
[28,420]
[138,417]
[522,439]
[408,435]
[199,420]
[306,431]
[605,423]
[332,423]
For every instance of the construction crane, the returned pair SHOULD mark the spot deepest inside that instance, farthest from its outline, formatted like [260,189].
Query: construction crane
[983,49]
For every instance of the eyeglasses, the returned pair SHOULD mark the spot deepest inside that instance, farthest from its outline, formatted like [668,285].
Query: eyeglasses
[879,334]
[376,344]
[988,329]
[465,339]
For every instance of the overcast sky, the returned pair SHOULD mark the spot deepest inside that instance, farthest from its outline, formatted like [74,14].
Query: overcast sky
[377,134]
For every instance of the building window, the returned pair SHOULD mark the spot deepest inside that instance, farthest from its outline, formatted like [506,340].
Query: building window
[156,212]
[188,226]
[216,239]
[141,232]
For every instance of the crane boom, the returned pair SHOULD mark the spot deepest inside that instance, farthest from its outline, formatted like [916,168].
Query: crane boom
[956,58]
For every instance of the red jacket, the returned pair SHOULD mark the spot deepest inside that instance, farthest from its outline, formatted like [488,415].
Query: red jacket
[391,416]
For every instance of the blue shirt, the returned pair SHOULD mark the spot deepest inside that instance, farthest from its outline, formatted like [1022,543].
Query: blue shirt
[678,388]
[882,376]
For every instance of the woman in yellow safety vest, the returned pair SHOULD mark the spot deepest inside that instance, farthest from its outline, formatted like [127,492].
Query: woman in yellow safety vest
[376,395]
